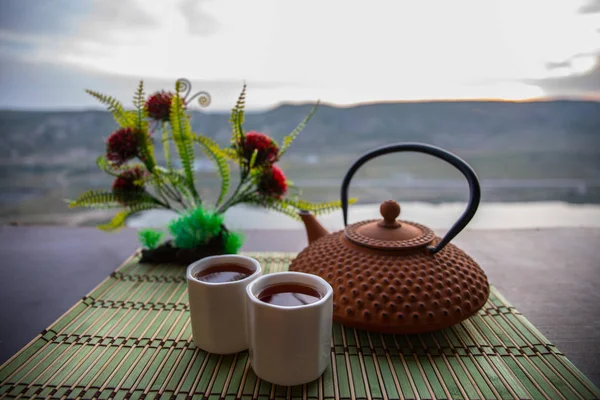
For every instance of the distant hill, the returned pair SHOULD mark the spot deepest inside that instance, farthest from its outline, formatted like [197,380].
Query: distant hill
[531,151]
[566,126]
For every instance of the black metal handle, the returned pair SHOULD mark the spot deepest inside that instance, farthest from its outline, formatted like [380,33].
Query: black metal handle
[461,165]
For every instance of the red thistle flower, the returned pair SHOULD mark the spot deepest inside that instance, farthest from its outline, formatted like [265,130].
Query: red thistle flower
[266,148]
[273,183]
[127,186]
[122,145]
[159,105]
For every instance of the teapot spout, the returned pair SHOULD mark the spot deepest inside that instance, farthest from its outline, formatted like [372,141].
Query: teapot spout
[314,230]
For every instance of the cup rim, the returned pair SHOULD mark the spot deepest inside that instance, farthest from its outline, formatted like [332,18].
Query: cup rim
[318,303]
[211,259]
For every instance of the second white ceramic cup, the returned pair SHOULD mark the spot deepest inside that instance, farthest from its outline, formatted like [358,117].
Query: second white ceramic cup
[289,345]
[218,310]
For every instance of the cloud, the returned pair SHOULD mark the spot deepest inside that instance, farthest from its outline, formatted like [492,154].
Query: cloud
[110,22]
[591,7]
[583,84]
[134,22]
[199,22]
[122,14]
[558,65]
[44,31]
[40,16]
[287,51]
[151,38]
[53,86]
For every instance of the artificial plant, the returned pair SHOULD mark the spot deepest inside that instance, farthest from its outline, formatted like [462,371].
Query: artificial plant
[141,184]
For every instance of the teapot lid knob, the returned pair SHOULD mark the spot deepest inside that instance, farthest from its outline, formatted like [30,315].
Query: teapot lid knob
[390,210]
[389,233]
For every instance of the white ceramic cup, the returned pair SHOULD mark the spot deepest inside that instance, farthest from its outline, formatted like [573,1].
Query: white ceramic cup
[218,310]
[289,345]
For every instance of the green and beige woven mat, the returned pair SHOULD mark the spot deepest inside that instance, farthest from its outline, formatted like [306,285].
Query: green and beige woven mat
[131,338]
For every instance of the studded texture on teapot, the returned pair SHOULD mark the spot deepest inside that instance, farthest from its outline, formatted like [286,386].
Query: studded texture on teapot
[407,292]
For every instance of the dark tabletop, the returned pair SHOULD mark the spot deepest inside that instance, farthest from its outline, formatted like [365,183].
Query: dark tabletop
[551,275]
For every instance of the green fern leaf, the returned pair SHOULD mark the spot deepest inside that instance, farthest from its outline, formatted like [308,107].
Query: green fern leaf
[113,169]
[230,154]
[95,199]
[237,117]
[172,175]
[162,177]
[141,125]
[212,150]
[316,208]
[273,204]
[122,117]
[207,141]
[120,218]
[107,167]
[139,98]
[103,200]
[181,133]
[253,159]
[282,208]
[287,140]
[166,145]
[116,222]
[179,183]
[241,104]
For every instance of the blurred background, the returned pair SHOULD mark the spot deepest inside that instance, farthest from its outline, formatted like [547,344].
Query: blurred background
[512,87]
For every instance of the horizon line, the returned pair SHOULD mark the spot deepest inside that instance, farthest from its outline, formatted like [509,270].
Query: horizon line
[549,99]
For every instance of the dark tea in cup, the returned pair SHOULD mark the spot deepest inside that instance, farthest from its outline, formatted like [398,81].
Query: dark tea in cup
[289,295]
[223,273]
[218,300]
[301,307]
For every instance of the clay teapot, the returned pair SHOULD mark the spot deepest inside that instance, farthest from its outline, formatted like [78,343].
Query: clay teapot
[395,276]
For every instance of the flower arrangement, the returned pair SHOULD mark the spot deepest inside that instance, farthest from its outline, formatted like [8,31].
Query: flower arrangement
[141,184]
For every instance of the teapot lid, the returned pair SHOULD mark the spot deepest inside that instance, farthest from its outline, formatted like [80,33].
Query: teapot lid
[389,233]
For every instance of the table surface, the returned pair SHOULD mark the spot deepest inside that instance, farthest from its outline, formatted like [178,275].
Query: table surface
[550,275]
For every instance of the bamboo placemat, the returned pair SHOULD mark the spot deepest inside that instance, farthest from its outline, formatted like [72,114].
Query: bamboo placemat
[131,338]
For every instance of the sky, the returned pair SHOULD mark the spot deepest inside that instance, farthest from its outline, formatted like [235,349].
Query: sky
[342,52]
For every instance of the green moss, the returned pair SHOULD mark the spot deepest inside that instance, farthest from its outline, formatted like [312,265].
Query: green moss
[233,242]
[196,228]
[149,238]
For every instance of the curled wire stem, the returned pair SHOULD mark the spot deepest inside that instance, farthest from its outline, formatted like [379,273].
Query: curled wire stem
[204,98]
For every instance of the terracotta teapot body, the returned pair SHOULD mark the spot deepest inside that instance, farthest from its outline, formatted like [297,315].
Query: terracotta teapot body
[395,276]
